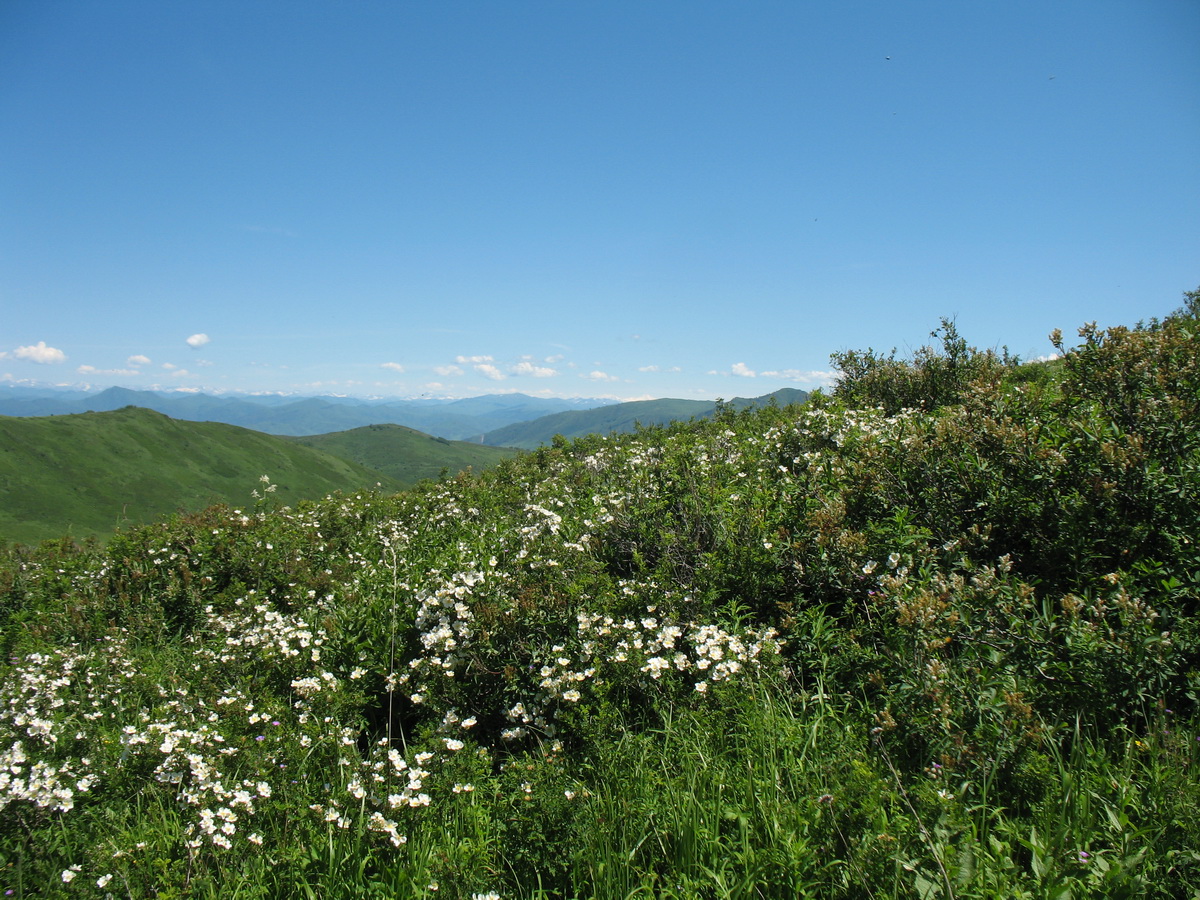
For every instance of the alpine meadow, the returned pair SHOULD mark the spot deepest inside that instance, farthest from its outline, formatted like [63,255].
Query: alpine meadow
[933,633]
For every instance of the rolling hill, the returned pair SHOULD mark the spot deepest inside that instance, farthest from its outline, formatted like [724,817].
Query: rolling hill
[623,418]
[86,474]
[402,453]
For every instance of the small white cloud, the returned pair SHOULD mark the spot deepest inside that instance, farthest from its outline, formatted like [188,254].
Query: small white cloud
[473,360]
[556,358]
[809,376]
[446,371]
[395,367]
[742,370]
[597,375]
[489,371]
[169,366]
[196,341]
[92,370]
[181,373]
[649,369]
[528,368]
[40,353]
[138,360]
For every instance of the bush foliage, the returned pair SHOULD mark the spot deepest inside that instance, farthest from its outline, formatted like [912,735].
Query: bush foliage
[931,635]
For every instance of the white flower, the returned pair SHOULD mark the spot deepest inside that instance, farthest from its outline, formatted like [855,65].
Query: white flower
[70,873]
[103,880]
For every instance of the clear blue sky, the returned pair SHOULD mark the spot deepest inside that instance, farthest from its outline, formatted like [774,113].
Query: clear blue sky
[627,199]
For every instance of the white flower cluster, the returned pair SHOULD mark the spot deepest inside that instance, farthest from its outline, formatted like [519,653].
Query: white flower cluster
[708,652]
[262,633]
[37,782]
[39,699]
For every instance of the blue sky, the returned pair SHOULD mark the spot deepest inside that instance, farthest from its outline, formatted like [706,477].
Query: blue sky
[622,199]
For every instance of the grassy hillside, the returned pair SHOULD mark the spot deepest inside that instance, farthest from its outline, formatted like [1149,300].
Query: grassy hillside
[934,636]
[87,474]
[403,454]
[621,418]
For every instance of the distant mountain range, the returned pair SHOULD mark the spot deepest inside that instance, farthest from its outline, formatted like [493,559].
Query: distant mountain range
[497,420]
[456,420]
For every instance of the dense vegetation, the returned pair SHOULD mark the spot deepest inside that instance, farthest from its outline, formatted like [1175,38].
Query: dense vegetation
[933,636]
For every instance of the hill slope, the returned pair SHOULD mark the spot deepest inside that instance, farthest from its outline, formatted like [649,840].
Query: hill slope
[87,473]
[403,453]
[622,418]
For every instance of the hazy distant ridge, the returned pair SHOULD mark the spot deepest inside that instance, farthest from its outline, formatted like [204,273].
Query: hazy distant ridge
[623,417]
[466,419]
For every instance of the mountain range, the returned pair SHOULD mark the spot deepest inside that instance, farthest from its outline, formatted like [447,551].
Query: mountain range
[623,417]
[466,419]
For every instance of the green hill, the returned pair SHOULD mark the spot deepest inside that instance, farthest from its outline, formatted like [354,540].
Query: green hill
[622,418]
[86,474]
[403,453]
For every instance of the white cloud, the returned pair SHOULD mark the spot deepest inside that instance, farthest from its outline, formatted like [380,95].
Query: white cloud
[556,358]
[741,369]
[473,360]
[169,365]
[196,341]
[181,373]
[490,371]
[40,353]
[597,375]
[138,360]
[528,368]
[649,369]
[92,370]
[395,367]
[445,371]
[804,376]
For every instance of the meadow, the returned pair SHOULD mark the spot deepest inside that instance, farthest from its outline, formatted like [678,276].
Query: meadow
[932,635]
